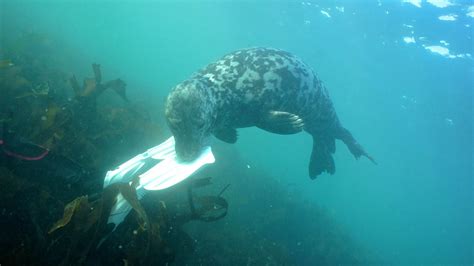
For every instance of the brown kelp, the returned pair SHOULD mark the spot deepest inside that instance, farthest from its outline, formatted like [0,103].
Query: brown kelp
[84,226]
[42,112]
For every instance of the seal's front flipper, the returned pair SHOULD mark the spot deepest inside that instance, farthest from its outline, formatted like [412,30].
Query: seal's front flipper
[321,156]
[228,135]
[281,123]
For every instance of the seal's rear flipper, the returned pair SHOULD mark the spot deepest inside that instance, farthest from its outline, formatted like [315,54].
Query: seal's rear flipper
[321,156]
[280,123]
[356,149]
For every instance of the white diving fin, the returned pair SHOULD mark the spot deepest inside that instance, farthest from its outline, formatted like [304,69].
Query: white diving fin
[158,168]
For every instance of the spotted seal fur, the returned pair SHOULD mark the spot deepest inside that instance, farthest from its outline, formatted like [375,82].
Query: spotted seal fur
[268,88]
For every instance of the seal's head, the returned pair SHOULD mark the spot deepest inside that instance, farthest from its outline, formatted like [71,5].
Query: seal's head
[189,115]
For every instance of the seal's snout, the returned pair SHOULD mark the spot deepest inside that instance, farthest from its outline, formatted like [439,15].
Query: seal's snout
[187,156]
[186,151]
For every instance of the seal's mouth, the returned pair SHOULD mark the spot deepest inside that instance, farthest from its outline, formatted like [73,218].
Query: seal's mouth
[187,151]
[187,156]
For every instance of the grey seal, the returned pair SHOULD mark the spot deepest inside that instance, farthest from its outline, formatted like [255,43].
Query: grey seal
[263,87]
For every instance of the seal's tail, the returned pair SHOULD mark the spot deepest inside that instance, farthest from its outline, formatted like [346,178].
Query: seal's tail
[323,148]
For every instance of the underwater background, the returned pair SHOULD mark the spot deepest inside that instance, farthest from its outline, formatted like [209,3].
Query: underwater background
[400,74]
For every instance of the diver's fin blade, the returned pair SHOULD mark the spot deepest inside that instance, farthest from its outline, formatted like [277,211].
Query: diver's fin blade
[281,123]
[121,208]
[228,135]
[127,171]
[119,211]
[164,150]
[172,171]
[160,170]
[160,174]
[124,173]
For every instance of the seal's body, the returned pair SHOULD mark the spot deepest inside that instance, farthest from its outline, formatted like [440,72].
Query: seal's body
[262,87]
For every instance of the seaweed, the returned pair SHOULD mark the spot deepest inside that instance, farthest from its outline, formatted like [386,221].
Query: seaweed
[92,88]
[74,239]
[84,226]
[26,211]
[79,138]
[76,128]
